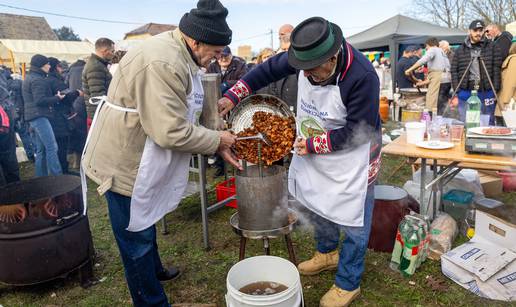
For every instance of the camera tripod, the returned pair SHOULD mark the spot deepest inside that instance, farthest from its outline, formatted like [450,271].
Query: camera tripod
[482,66]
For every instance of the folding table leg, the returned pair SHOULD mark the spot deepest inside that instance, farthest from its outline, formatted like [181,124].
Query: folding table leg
[423,205]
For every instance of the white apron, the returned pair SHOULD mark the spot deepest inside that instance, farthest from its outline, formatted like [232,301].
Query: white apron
[333,185]
[163,173]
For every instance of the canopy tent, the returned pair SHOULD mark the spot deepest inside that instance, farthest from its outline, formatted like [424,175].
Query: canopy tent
[127,44]
[14,52]
[396,33]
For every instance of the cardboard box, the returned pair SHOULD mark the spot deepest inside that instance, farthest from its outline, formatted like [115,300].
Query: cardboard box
[491,184]
[486,265]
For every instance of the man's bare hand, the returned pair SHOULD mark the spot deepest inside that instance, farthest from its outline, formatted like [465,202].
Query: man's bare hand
[225,105]
[300,147]
[227,139]
[229,156]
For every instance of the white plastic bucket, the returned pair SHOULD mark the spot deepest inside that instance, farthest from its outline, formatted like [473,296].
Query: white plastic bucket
[264,268]
[415,132]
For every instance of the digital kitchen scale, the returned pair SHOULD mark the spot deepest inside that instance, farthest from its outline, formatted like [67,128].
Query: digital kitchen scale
[490,144]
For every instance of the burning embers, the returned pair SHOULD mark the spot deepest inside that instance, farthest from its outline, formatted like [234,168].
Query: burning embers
[13,214]
[48,209]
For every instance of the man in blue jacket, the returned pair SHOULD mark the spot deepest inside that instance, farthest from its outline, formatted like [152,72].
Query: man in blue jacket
[338,146]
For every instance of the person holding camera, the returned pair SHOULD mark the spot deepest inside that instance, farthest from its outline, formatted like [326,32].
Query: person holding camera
[477,62]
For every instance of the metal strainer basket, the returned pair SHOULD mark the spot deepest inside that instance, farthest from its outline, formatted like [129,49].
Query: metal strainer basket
[241,116]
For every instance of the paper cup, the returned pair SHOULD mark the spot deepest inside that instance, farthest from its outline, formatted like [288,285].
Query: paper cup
[415,132]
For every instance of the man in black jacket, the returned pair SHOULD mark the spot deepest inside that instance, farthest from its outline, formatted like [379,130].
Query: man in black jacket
[231,68]
[502,39]
[40,103]
[96,76]
[474,48]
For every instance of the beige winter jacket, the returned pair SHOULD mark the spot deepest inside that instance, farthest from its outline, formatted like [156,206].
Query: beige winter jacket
[508,90]
[154,79]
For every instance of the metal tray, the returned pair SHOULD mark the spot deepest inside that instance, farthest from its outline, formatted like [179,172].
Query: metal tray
[241,116]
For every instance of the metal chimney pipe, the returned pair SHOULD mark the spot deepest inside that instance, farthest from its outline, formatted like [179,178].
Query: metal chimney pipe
[210,114]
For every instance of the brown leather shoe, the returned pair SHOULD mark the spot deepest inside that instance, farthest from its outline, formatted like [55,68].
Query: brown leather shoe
[337,297]
[319,262]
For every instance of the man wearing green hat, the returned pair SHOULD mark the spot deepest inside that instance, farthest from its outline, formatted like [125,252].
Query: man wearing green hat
[334,170]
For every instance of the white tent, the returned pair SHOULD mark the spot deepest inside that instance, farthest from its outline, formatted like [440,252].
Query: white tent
[127,44]
[14,52]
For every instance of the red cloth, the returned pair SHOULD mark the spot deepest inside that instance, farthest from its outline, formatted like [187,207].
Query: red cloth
[88,123]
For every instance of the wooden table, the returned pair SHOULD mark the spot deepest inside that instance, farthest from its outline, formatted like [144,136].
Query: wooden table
[452,161]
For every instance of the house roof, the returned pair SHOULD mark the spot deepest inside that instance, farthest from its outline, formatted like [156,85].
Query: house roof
[25,27]
[152,29]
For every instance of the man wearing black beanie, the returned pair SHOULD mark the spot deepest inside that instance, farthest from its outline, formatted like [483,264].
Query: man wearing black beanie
[40,103]
[144,133]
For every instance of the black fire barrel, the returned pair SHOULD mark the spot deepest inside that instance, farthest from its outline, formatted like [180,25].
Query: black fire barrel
[43,232]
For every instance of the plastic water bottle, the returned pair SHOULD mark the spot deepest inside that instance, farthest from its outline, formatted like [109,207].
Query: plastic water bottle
[426,119]
[423,224]
[473,110]
[398,245]
[410,253]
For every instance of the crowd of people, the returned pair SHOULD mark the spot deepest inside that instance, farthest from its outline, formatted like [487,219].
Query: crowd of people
[48,110]
[483,62]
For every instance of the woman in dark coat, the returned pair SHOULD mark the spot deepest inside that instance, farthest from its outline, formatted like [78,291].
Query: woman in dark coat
[61,122]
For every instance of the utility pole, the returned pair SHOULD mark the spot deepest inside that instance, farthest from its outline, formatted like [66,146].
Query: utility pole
[272,40]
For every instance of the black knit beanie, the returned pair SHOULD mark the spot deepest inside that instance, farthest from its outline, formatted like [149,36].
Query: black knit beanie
[38,60]
[207,23]
[53,63]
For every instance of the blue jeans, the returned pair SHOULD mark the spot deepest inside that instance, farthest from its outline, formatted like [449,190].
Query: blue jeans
[139,253]
[47,162]
[487,106]
[23,130]
[354,246]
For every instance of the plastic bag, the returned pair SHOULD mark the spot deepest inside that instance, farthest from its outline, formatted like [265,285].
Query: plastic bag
[466,180]
[443,231]
[414,190]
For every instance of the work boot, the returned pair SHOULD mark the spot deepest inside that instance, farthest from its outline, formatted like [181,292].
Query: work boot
[319,262]
[168,274]
[337,297]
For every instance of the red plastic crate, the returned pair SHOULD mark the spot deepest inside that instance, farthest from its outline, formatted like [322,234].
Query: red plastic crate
[225,190]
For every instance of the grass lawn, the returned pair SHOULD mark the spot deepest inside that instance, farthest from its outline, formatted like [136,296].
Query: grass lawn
[204,272]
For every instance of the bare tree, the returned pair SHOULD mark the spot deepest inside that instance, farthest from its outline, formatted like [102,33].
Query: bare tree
[493,11]
[449,13]
[458,13]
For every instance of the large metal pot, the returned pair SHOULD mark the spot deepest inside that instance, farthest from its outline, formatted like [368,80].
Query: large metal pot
[43,233]
[262,201]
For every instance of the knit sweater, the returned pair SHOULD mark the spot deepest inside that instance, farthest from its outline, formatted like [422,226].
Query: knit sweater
[359,91]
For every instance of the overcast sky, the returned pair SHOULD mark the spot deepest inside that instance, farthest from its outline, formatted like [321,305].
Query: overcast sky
[250,20]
